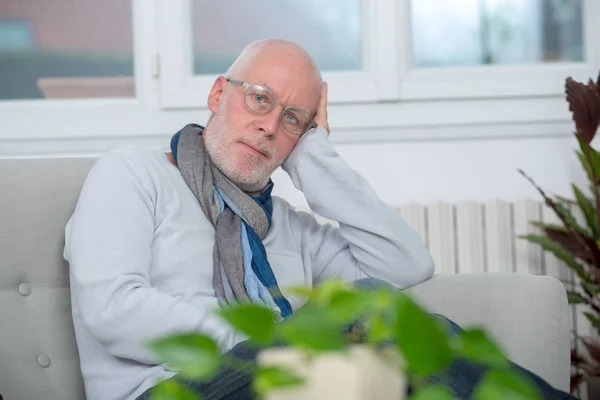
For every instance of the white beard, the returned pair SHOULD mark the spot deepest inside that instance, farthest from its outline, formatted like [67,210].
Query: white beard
[251,173]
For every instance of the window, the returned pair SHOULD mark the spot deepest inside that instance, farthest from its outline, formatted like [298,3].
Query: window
[65,49]
[496,32]
[388,50]
[343,35]
[330,30]
[121,69]
[484,49]
[16,36]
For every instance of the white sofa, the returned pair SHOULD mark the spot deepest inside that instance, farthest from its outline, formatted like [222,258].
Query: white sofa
[527,314]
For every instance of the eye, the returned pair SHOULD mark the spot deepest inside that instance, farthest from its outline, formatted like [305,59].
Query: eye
[291,118]
[259,98]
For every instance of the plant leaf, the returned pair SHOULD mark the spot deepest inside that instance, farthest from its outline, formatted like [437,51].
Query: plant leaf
[255,321]
[560,252]
[593,289]
[570,219]
[432,392]
[193,355]
[586,165]
[575,382]
[301,290]
[592,348]
[505,384]
[382,300]
[172,390]
[379,329]
[348,305]
[594,155]
[544,226]
[474,344]
[576,359]
[584,103]
[312,327]
[267,378]
[587,207]
[325,291]
[594,320]
[573,244]
[576,298]
[423,341]
[566,238]
[561,211]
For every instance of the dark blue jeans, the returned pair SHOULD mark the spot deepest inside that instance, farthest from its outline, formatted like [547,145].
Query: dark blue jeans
[461,377]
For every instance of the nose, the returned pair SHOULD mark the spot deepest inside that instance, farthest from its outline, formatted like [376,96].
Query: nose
[269,122]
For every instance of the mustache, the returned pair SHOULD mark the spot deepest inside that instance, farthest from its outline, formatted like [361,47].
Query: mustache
[219,128]
[261,146]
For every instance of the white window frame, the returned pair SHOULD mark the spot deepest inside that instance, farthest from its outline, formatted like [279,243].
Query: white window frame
[49,125]
[494,81]
[388,74]
[388,100]
[378,80]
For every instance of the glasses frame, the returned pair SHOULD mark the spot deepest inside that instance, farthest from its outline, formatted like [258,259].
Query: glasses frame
[276,101]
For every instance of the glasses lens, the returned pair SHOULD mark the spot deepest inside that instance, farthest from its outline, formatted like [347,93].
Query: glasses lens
[295,120]
[259,99]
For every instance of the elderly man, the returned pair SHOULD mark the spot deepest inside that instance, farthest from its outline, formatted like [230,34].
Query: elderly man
[158,241]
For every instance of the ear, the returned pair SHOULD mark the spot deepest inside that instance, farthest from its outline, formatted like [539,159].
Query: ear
[215,97]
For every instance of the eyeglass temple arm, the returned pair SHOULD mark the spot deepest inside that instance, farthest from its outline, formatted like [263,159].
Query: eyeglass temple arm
[235,81]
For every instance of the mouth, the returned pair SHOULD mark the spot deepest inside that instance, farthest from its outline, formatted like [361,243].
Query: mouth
[254,149]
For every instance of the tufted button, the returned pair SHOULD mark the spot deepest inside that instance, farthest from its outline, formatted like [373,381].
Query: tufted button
[43,360]
[24,289]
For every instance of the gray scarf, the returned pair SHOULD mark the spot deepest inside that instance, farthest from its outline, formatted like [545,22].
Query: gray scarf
[241,271]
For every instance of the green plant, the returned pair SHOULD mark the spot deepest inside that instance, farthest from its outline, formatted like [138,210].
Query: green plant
[338,315]
[578,245]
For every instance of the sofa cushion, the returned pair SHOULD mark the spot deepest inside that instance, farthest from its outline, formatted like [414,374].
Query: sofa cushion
[38,354]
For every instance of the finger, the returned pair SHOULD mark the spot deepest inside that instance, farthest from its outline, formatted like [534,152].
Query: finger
[323,101]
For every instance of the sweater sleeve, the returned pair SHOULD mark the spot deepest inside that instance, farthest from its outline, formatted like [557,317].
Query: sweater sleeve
[372,239]
[109,250]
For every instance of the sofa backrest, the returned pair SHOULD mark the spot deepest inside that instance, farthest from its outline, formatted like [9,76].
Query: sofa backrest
[38,352]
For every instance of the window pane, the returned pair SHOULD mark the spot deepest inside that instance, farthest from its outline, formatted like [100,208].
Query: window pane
[330,30]
[65,49]
[475,32]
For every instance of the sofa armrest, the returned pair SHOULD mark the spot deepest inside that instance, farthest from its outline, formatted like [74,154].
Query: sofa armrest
[528,315]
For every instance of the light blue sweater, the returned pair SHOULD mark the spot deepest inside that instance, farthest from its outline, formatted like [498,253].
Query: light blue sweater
[140,254]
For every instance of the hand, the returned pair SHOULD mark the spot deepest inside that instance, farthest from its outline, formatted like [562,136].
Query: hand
[321,117]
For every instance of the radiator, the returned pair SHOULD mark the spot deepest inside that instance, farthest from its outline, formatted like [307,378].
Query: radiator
[470,237]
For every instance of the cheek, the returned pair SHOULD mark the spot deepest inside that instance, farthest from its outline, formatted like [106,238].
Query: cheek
[238,117]
[285,144]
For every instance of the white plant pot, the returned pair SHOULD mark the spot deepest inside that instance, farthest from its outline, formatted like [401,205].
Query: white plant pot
[360,373]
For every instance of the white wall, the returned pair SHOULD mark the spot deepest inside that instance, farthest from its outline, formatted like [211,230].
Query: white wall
[425,165]
[455,170]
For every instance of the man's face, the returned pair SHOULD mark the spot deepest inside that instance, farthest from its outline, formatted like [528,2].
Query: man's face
[248,147]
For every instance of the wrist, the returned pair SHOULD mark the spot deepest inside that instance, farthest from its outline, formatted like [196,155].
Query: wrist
[306,144]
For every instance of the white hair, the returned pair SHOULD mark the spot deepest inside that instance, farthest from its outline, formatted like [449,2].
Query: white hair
[255,48]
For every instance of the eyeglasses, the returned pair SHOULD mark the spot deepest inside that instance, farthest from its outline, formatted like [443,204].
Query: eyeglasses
[260,100]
